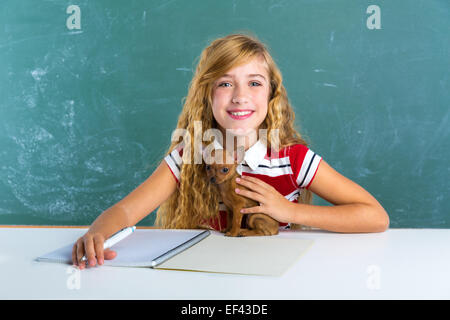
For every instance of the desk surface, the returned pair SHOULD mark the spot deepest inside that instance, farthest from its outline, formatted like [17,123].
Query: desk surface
[396,264]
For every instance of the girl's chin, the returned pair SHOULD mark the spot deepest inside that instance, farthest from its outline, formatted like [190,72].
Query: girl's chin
[241,131]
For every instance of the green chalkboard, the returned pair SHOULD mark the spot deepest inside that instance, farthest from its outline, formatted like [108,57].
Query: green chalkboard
[89,98]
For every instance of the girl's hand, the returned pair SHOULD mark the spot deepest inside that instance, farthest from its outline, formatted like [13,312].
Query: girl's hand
[91,245]
[271,202]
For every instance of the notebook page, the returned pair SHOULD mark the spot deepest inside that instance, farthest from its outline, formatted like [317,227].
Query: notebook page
[140,248]
[137,250]
[271,255]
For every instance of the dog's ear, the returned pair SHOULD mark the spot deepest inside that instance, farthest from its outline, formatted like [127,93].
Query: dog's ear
[235,157]
[229,157]
[208,153]
[239,155]
[218,156]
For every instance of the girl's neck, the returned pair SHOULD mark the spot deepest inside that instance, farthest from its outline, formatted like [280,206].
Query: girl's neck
[239,141]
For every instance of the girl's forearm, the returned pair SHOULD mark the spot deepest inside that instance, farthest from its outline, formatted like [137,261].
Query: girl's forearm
[348,218]
[110,221]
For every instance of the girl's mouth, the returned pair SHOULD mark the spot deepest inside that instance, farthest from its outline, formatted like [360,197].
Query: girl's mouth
[240,115]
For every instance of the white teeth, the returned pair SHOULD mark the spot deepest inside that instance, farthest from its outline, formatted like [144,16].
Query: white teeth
[243,113]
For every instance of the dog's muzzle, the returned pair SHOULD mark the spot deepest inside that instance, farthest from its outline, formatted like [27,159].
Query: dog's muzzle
[213,180]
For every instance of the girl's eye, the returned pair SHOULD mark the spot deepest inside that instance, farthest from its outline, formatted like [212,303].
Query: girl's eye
[253,82]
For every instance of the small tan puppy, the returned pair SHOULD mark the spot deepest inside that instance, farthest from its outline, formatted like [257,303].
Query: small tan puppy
[223,176]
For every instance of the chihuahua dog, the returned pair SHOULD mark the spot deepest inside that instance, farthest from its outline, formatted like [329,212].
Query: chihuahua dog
[223,176]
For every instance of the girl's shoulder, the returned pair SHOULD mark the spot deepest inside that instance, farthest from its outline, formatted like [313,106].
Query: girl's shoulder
[177,150]
[294,150]
[303,161]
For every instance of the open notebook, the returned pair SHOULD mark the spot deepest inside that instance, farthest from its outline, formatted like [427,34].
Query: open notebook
[200,250]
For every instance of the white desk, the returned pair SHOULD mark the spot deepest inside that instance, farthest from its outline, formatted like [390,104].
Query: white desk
[396,264]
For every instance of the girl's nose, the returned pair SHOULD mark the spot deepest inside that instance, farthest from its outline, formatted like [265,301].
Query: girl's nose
[240,96]
[239,100]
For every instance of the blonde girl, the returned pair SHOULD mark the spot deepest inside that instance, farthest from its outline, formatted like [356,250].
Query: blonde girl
[237,89]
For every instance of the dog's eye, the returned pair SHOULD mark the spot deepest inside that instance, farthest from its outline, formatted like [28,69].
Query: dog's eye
[208,167]
[225,170]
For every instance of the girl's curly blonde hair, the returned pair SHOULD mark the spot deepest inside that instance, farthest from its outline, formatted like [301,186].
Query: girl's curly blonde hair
[194,202]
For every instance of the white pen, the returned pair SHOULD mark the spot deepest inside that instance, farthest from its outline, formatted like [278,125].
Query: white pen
[116,237]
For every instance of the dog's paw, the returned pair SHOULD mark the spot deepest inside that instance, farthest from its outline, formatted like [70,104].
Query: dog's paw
[231,234]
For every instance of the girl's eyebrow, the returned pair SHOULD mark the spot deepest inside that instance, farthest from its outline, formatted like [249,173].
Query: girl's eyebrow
[248,76]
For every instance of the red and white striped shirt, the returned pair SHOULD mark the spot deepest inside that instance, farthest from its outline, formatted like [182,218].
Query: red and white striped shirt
[289,171]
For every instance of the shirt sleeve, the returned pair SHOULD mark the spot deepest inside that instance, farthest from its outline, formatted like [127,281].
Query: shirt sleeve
[174,161]
[304,164]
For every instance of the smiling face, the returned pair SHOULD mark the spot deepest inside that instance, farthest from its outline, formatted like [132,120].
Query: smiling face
[241,96]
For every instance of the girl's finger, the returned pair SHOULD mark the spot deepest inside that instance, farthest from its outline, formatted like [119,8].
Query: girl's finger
[98,246]
[249,194]
[80,253]
[251,185]
[89,249]
[257,182]
[109,254]
[252,210]
[74,255]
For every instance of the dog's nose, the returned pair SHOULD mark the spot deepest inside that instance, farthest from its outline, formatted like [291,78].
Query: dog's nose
[213,180]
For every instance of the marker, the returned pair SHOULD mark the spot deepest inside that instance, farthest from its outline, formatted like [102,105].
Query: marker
[116,237]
